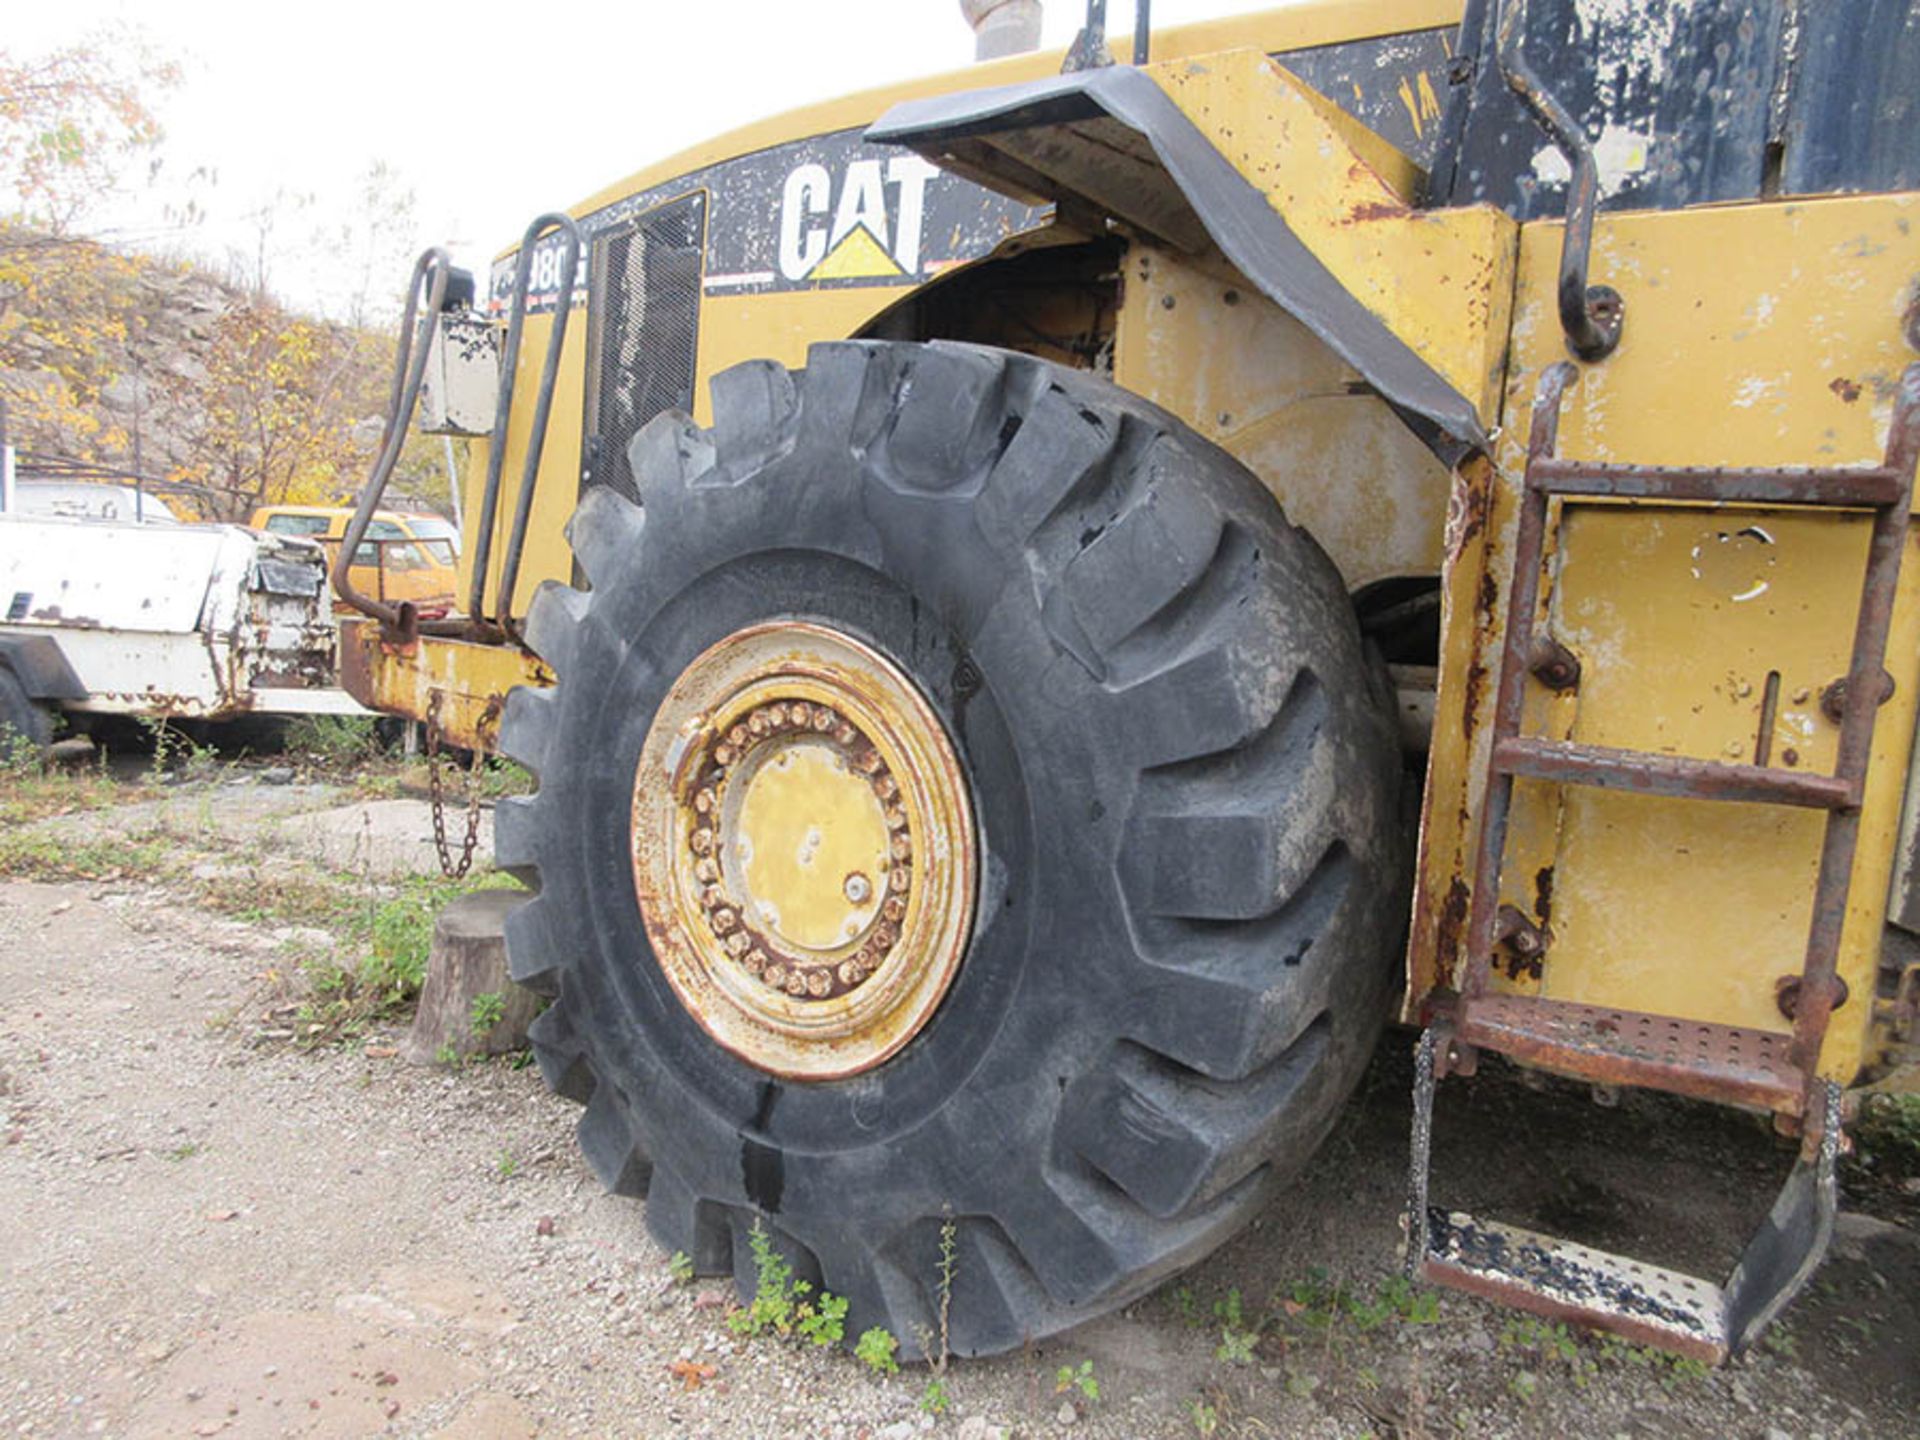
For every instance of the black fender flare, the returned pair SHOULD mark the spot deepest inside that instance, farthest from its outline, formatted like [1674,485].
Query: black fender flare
[1217,200]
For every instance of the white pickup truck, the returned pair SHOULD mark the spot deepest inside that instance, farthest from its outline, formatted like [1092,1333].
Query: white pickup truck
[175,621]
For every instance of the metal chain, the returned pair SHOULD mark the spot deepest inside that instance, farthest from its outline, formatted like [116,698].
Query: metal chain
[1420,1151]
[452,869]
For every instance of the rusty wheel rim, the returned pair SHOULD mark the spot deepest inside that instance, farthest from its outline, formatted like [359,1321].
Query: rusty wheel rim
[803,850]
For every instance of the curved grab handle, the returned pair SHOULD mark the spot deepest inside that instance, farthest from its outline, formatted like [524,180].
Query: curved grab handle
[503,414]
[431,270]
[1591,315]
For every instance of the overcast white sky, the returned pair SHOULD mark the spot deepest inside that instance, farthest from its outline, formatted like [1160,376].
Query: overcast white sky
[491,113]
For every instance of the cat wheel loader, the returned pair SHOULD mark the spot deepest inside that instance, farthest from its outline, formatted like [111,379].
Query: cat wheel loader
[1047,605]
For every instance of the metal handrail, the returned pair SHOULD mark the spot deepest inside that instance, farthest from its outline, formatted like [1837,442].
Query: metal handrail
[409,367]
[1590,315]
[488,517]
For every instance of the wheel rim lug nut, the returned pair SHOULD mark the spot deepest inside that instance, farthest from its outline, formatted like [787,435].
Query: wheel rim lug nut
[858,888]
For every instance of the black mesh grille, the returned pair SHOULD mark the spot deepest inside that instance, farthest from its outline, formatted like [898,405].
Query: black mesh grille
[645,309]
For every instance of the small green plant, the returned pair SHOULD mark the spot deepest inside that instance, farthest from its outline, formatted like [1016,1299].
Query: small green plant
[1887,1132]
[1187,1305]
[680,1267]
[1410,1303]
[1315,1302]
[506,1165]
[876,1348]
[934,1399]
[936,1344]
[1237,1337]
[772,1305]
[824,1322]
[1524,1385]
[446,1054]
[1782,1342]
[784,1306]
[1206,1418]
[1553,1341]
[184,1151]
[486,1011]
[1081,1379]
[334,739]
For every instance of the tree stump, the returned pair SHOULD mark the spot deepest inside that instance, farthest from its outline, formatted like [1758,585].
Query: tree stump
[468,1006]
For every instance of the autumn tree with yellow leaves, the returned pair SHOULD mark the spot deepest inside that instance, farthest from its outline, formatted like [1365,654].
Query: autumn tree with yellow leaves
[155,366]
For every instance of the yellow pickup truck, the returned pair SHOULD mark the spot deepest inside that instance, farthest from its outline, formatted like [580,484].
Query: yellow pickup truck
[407,555]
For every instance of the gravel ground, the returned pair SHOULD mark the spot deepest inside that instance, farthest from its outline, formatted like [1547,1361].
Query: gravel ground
[212,1233]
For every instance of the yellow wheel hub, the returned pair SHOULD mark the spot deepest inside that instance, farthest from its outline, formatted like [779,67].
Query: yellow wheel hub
[803,850]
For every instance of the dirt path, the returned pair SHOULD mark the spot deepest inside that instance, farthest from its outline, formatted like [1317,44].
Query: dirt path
[210,1234]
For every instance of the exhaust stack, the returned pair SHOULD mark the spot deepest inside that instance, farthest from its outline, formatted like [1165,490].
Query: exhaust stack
[1002,27]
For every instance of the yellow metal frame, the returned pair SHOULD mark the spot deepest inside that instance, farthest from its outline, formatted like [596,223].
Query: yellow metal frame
[780,326]
[1761,334]
[1757,335]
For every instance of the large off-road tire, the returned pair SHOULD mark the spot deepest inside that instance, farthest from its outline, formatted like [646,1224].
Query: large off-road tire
[26,727]
[1183,780]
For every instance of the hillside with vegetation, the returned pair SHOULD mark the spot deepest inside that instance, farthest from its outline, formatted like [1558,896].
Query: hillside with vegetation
[120,359]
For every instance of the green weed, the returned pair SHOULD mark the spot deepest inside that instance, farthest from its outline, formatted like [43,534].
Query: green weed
[876,1348]
[486,1011]
[1081,1379]
[1887,1133]
[339,740]
[784,1306]
[934,1399]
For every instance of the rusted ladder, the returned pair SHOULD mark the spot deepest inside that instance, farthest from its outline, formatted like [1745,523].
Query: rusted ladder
[1716,1062]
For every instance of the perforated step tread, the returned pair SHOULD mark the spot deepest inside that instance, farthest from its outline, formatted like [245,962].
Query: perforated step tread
[1575,1283]
[1725,1063]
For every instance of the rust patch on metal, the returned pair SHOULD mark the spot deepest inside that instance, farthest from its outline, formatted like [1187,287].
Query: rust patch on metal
[1453,919]
[1847,390]
[1377,210]
[1476,683]
[1543,894]
[1524,942]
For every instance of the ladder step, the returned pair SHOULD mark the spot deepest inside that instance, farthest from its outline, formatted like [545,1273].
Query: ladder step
[1854,488]
[1625,1047]
[1648,774]
[1574,1283]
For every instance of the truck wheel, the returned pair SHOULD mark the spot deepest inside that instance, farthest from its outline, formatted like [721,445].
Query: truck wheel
[26,728]
[966,817]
